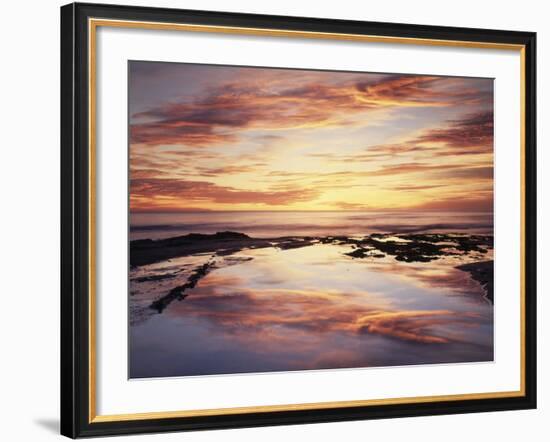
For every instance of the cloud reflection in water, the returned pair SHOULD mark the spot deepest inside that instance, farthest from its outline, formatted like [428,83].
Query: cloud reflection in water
[314,308]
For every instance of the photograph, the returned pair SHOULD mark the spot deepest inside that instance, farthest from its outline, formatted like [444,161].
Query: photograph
[274,221]
[280,218]
[292,219]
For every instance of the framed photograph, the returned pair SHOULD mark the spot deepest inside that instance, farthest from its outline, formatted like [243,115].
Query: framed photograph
[274,220]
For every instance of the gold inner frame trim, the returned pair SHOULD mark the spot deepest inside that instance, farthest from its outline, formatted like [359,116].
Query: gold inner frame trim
[93,24]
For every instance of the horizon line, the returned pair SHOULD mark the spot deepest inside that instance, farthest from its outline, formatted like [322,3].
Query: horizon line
[306,211]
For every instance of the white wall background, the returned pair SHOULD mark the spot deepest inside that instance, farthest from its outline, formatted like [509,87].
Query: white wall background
[29,220]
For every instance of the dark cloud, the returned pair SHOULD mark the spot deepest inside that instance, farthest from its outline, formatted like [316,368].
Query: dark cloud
[471,134]
[479,173]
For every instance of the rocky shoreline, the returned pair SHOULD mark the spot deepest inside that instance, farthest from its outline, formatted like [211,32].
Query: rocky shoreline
[483,273]
[148,251]
[403,247]
[178,292]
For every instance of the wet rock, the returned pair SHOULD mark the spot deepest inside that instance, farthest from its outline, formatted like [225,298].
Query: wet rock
[294,243]
[358,253]
[482,272]
[419,247]
[179,291]
[144,252]
[158,277]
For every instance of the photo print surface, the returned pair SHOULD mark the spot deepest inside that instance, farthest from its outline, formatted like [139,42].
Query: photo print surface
[285,219]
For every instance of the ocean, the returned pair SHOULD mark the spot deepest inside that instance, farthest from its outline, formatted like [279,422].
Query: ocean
[276,224]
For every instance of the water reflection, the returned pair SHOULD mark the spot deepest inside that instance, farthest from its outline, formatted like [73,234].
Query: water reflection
[307,308]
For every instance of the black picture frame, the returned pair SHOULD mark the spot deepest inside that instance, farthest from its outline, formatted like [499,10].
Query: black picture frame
[76,418]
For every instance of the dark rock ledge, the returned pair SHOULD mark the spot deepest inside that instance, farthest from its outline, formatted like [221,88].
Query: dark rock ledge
[148,251]
[179,291]
[482,272]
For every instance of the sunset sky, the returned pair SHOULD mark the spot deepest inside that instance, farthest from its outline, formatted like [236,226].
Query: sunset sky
[206,137]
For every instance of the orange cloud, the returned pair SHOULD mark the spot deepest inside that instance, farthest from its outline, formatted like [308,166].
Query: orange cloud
[142,190]
[218,117]
[410,90]
[243,138]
